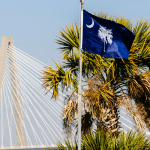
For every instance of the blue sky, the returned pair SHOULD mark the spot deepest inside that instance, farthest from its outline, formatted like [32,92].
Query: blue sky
[34,24]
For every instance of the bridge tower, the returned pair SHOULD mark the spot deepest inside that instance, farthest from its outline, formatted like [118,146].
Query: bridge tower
[19,123]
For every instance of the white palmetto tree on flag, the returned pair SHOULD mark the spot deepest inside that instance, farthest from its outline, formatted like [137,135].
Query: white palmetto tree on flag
[105,35]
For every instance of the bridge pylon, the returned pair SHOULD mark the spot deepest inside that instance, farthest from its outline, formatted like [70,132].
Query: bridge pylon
[17,108]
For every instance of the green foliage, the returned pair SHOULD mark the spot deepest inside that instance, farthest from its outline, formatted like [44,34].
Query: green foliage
[100,140]
[48,148]
[52,78]
[97,141]
[68,146]
[69,39]
[132,140]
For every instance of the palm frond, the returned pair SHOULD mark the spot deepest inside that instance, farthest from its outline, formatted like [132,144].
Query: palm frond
[132,109]
[132,140]
[53,78]
[144,110]
[98,140]
[138,85]
[69,39]
[87,122]
[67,146]
[69,114]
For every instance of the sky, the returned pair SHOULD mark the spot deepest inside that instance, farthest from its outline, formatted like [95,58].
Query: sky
[34,24]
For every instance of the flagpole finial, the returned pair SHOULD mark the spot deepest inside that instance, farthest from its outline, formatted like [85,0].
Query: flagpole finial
[81,1]
[81,5]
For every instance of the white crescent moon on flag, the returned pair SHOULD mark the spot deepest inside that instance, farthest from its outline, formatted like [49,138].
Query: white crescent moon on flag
[90,26]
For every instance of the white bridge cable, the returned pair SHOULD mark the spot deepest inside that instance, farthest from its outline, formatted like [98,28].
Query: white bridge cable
[9,126]
[36,88]
[28,138]
[33,130]
[128,126]
[36,120]
[31,126]
[23,109]
[41,116]
[49,118]
[11,116]
[25,129]
[22,60]
[127,119]
[41,119]
[29,55]
[19,114]
[25,102]
[26,61]
[48,101]
[39,83]
[37,72]
[2,121]
[35,101]
[30,121]
[30,82]
[22,79]
[5,77]
[10,105]
[42,67]
[30,60]
[16,127]
[45,123]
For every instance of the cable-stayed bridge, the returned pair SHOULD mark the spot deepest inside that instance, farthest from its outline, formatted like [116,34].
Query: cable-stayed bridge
[28,118]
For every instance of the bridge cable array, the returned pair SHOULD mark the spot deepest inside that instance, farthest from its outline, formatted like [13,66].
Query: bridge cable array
[42,119]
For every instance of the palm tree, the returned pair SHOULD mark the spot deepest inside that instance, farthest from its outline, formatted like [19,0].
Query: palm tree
[109,83]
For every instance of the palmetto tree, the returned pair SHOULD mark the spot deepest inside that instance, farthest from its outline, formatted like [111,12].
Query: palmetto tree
[108,82]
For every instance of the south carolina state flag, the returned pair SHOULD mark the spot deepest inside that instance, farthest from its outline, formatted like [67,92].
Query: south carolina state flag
[106,38]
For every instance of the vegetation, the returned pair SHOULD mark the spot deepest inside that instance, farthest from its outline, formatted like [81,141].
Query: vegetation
[100,140]
[107,83]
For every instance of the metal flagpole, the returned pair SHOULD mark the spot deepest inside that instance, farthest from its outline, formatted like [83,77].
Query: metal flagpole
[80,78]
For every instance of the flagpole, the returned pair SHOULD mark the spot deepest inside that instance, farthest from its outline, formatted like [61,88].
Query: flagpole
[80,78]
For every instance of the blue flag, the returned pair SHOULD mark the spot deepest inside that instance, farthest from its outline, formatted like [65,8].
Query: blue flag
[106,38]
